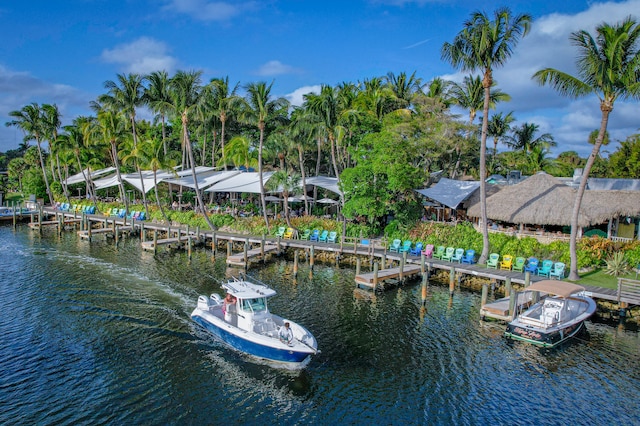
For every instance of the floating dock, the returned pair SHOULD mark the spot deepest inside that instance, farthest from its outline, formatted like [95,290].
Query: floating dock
[239,259]
[376,279]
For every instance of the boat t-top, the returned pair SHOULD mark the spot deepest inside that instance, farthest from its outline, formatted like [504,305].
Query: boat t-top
[243,321]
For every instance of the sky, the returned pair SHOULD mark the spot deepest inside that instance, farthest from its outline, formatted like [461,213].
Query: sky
[62,52]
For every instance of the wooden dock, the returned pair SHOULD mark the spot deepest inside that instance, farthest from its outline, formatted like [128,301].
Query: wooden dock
[239,259]
[87,234]
[373,280]
[499,309]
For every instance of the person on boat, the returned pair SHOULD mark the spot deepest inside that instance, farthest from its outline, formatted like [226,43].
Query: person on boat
[228,306]
[285,334]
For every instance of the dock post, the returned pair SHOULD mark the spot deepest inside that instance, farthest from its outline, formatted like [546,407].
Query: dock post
[188,231]
[375,276]
[527,279]
[507,286]
[279,249]
[143,233]
[295,263]
[262,248]
[246,249]
[311,257]
[89,231]
[189,246]
[358,266]
[425,281]
[229,248]
[116,233]
[197,232]
[384,260]
[82,221]
[155,241]
[114,227]
[214,244]
[422,263]
[452,280]
[485,294]
[512,304]
[402,260]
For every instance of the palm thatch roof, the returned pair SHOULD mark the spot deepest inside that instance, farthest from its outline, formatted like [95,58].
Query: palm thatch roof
[545,200]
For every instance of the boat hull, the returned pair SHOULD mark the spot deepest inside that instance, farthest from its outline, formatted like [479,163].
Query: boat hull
[541,338]
[246,342]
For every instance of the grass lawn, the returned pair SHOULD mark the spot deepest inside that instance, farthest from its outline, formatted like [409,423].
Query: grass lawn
[600,279]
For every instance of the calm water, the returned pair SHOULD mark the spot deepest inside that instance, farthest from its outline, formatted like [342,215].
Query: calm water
[94,334]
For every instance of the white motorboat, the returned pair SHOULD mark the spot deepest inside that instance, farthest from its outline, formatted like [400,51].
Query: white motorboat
[554,319]
[243,321]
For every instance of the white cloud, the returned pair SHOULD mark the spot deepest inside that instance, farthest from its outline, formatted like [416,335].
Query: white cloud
[297,96]
[273,68]
[141,56]
[204,10]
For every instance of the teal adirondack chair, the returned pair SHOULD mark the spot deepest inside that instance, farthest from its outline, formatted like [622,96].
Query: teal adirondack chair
[395,246]
[332,237]
[545,269]
[557,271]
[406,246]
[457,256]
[323,236]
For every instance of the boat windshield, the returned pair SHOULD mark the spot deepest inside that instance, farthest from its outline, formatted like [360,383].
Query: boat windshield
[254,305]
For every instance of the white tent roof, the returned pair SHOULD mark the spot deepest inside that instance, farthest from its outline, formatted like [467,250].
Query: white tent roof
[450,192]
[80,177]
[326,182]
[242,182]
[205,179]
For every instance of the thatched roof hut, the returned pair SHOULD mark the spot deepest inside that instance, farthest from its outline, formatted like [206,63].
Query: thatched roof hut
[544,200]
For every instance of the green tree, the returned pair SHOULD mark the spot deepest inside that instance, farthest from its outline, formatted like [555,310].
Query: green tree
[524,138]
[608,66]
[625,161]
[158,99]
[225,103]
[498,127]
[290,184]
[485,44]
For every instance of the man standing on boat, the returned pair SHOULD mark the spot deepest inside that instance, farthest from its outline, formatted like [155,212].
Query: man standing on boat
[285,334]
[229,306]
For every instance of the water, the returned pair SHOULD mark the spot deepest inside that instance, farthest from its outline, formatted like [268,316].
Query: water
[94,334]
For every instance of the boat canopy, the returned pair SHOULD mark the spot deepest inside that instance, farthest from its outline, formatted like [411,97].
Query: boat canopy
[248,290]
[559,288]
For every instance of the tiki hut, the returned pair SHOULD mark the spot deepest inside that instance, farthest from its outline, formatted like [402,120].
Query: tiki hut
[545,200]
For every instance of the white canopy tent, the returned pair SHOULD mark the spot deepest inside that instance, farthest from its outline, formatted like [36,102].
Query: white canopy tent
[81,177]
[242,182]
[205,179]
[326,182]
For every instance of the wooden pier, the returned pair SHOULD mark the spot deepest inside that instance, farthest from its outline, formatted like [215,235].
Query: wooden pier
[376,279]
[245,258]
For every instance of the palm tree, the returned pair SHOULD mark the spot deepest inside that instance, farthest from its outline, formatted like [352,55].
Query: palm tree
[238,151]
[261,108]
[524,138]
[484,44]
[51,121]
[498,127]
[30,120]
[186,95]
[290,184]
[608,66]
[158,99]
[470,95]
[156,160]
[403,87]
[225,103]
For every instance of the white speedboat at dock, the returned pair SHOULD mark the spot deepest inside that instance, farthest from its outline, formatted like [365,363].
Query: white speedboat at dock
[243,321]
[555,318]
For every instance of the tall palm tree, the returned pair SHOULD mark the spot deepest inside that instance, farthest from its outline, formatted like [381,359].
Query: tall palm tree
[403,87]
[186,94]
[226,102]
[125,96]
[156,160]
[238,151]
[158,99]
[51,122]
[262,108]
[524,138]
[290,184]
[608,66]
[30,120]
[485,44]
[498,127]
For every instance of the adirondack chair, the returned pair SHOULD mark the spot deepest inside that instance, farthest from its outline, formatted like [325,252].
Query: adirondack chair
[532,265]
[457,256]
[305,234]
[507,261]
[439,252]
[288,234]
[315,235]
[545,269]
[428,250]
[395,246]
[469,257]
[142,216]
[448,254]
[557,271]
[323,236]
[280,232]
[331,238]
[415,251]
[518,265]
[492,261]
[406,246]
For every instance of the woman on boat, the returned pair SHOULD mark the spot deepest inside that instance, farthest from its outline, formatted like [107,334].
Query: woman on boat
[228,306]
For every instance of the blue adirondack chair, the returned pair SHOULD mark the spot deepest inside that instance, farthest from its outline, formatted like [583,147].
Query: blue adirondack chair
[469,257]
[323,236]
[416,250]
[457,255]
[532,265]
[545,269]
[315,235]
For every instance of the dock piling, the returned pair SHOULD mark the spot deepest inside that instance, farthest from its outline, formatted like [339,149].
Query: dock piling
[452,280]
[295,263]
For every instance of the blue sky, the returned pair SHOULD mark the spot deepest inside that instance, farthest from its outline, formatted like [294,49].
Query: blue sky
[63,51]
